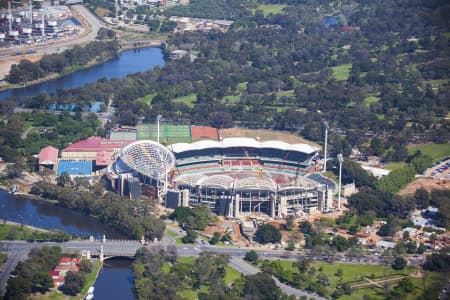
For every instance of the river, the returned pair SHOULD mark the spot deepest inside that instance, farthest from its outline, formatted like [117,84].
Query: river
[127,62]
[49,216]
[115,280]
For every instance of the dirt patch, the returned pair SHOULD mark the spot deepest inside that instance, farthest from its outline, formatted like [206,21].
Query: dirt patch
[425,183]
[5,64]
[265,135]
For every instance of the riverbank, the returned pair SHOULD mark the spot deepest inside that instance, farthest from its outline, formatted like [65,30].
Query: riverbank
[71,70]
[4,222]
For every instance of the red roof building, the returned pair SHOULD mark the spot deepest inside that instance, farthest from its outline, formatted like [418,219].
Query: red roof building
[69,261]
[204,132]
[89,148]
[53,273]
[48,156]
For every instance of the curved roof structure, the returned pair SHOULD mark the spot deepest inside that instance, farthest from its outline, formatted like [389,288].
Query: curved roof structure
[241,142]
[148,158]
[217,181]
[256,183]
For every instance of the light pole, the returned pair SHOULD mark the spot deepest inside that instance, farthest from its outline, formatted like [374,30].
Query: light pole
[325,123]
[158,119]
[341,160]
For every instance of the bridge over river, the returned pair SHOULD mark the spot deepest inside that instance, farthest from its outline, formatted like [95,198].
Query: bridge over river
[18,251]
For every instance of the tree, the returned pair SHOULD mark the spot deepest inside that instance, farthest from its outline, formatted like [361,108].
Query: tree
[251,256]
[267,233]
[438,262]
[302,265]
[190,237]
[215,239]
[41,282]
[261,286]
[399,263]
[339,272]
[323,279]
[340,243]
[73,283]
[17,288]
[290,222]
[86,266]
[64,179]
[306,227]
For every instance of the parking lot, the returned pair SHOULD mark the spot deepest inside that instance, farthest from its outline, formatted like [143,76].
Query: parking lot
[440,169]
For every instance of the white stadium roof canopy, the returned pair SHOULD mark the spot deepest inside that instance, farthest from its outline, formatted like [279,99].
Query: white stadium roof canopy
[241,142]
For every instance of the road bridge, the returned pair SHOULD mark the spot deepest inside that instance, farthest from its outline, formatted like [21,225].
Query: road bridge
[18,251]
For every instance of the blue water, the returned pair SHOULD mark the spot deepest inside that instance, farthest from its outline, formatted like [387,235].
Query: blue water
[115,281]
[127,62]
[49,216]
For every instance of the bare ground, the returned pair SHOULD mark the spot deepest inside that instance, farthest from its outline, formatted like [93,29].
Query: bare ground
[425,183]
[5,64]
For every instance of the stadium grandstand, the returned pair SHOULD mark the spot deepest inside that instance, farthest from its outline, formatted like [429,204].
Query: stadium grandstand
[235,177]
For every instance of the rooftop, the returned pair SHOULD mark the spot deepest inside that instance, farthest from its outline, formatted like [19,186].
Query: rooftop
[48,156]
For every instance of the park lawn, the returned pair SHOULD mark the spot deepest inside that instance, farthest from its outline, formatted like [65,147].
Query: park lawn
[21,233]
[147,99]
[192,294]
[189,100]
[231,275]
[166,268]
[91,277]
[351,273]
[370,99]
[289,93]
[51,295]
[436,151]
[170,233]
[231,98]
[242,86]
[268,9]
[395,165]
[342,72]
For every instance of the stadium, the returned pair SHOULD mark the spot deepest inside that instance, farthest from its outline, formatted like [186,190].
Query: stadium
[235,177]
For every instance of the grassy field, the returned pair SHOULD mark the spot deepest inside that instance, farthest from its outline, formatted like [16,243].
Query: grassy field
[342,72]
[178,240]
[435,151]
[370,99]
[16,232]
[268,9]
[230,276]
[356,272]
[189,100]
[395,165]
[147,99]
[90,278]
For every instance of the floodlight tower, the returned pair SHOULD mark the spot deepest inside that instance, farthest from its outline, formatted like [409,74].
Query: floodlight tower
[325,123]
[341,160]
[158,119]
